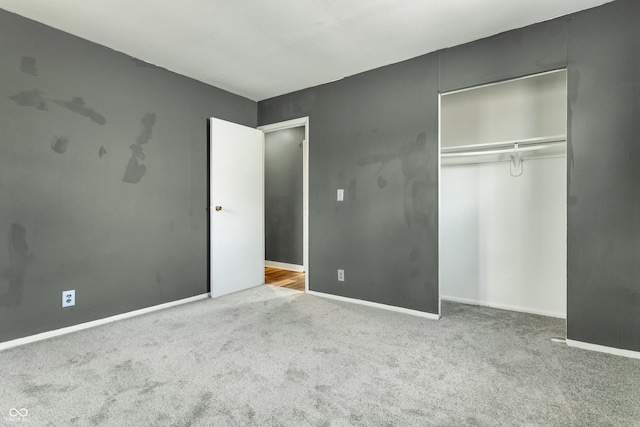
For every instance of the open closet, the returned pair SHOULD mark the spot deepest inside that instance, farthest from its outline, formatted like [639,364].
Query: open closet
[503,195]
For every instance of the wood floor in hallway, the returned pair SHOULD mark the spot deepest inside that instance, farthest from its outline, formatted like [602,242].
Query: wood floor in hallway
[284,278]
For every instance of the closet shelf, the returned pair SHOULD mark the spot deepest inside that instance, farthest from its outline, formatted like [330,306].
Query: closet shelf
[505,151]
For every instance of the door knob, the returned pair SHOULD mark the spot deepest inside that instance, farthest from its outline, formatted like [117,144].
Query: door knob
[218,208]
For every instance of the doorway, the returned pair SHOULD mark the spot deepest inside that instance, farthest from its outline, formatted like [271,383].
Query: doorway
[286,201]
[503,195]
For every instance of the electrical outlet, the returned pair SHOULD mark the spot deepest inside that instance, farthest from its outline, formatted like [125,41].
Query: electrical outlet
[69,298]
[340,275]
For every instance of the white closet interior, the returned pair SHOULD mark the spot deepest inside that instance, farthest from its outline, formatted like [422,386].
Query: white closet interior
[503,196]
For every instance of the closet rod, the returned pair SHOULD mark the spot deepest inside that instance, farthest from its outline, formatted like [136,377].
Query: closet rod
[486,148]
[551,146]
[511,151]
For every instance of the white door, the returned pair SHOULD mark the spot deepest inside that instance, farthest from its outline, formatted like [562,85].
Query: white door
[237,207]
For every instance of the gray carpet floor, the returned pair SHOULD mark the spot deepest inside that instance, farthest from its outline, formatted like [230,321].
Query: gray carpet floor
[272,356]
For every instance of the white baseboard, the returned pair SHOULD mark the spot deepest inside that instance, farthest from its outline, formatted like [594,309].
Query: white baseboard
[377,305]
[505,307]
[50,334]
[284,266]
[604,349]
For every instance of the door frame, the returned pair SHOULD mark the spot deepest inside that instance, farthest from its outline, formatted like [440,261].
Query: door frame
[302,121]
[441,94]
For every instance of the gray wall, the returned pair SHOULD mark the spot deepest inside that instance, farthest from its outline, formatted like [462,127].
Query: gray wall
[283,195]
[604,179]
[103,179]
[385,234]
[79,213]
[375,136]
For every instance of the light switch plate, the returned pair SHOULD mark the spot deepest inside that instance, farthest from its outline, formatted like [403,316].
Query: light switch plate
[340,194]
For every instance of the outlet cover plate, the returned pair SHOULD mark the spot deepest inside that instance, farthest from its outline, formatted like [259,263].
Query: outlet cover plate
[69,298]
[340,275]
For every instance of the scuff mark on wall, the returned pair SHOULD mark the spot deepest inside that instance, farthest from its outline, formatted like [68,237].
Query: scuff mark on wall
[382,182]
[415,254]
[30,98]
[135,170]
[28,66]
[77,105]
[59,144]
[19,257]
[102,152]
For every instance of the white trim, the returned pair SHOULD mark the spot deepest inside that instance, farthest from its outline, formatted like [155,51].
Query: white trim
[284,266]
[504,307]
[403,310]
[566,210]
[63,331]
[439,197]
[305,205]
[604,349]
[528,76]
[302,121]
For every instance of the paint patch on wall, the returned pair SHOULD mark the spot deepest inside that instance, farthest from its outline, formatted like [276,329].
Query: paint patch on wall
[382,158]
[19,258]
[414,159]
[136,152]
[147,121]
[59,144]
[78,106]
[28,66]
[135,170]
[417,203]
[30,98]
[102,152]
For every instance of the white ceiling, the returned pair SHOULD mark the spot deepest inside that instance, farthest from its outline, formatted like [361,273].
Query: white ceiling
[264,48]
